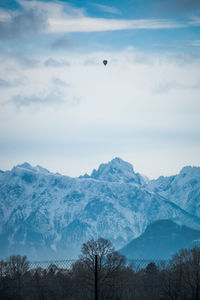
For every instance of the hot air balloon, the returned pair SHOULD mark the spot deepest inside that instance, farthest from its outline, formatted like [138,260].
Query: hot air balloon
[105,62]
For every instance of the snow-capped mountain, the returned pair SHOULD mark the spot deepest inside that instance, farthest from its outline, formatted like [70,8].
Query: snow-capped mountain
[182,189]
[117,170]
[47,215]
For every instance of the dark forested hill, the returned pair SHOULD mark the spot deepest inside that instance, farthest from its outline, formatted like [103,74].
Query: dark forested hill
[161,239]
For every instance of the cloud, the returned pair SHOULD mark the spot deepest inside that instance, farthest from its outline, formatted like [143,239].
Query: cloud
[62,43]
[4,83]
[195,43]
[53,97]
[18,24]
[9,84]
[107,9]
[52,63]
[196,85]
[59,17]
[63,17]
[117,113]
[176,7]
[91,62]
[167,86]
[55,9]
[60,82]
[183,5]
[4,15]
[100,24]
[24,61]
[75,101]
[173,85]
[195,20]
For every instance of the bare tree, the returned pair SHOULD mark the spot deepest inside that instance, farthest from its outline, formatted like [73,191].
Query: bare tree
[15,269]
[109,264]
[17,265]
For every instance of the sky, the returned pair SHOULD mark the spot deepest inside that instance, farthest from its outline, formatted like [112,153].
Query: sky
[61,108]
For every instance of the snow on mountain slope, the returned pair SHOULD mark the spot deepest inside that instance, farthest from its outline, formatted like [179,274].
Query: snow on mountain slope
[182,189]
[118,170]
[46,215]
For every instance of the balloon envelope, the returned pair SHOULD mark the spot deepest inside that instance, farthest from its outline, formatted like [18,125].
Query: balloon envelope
[105,62]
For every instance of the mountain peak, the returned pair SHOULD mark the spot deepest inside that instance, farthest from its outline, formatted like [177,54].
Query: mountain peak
[25,165]
[189,170]
[121,164]
[117,170]
[28,167]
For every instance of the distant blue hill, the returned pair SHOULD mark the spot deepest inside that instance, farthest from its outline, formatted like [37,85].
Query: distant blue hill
[161,240]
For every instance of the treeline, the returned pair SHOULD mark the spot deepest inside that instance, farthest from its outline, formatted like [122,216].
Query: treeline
[177,279]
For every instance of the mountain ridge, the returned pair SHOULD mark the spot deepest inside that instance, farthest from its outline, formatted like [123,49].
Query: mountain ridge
[54,214]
